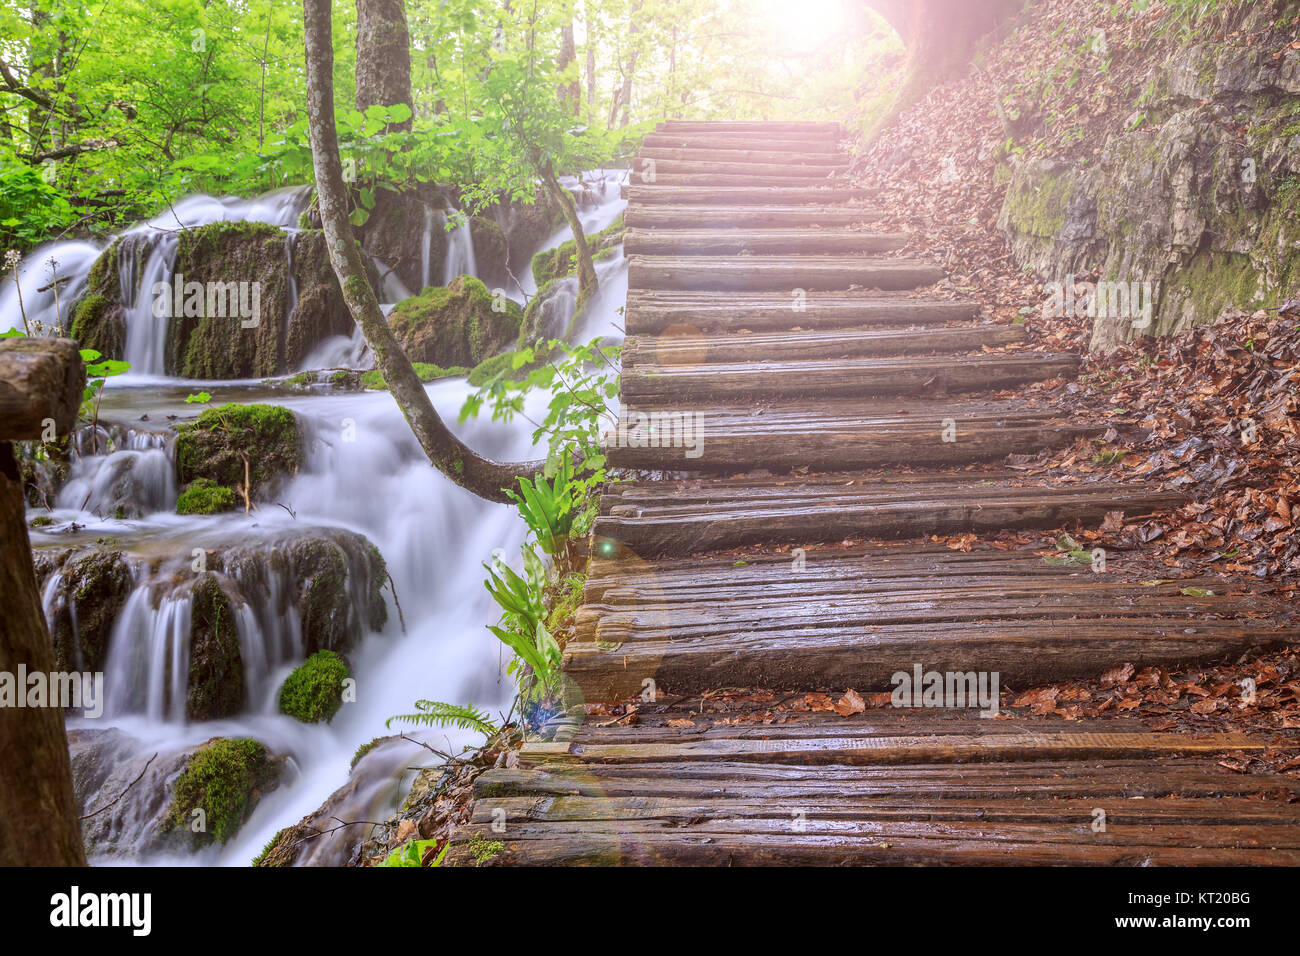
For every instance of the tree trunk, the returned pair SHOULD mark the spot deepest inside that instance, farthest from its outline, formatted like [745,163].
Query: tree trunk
[383,57]
[571,92]
[587,282]
[449,454]
[38,812]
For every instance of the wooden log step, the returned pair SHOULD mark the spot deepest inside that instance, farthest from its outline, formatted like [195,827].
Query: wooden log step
[932,375]
[643,165]
[745,195]
[806,791]
[774,158]
[802,127]
[762,142]
[695,242]
[743,217]
[652,519]
[779,273]
[834,435]
[664,178]
[681,347]
[854,617]
[650,312]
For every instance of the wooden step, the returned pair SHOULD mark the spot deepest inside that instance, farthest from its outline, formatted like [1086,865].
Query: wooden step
[880,788]
[780,273]
[650,312]
[834,435]
[744,195]
[665,178]
[697,242]
[684,348]
[774,158]
[829,130]
[643,166]
[855,618]
[760,142]
[931,375]
[652,519]
[747,217]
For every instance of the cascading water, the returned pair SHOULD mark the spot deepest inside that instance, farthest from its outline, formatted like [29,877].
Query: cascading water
[460,250]
[363,474]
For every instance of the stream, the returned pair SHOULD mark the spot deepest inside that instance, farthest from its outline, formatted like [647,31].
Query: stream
[362,472]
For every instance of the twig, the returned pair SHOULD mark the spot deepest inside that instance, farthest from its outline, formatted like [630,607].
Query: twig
[393,587]
[123,793]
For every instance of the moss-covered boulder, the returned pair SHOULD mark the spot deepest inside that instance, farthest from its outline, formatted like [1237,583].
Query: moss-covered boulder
[339,585]
[396,229]
[214,451]
[99,316]
[550,312]
[224,779]
[459,325]
[216,678]
[92,586]
[552,264]
[426,373]
[314,691]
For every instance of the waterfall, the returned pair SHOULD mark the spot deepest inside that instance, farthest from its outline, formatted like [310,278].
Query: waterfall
[426,247]
[460,250]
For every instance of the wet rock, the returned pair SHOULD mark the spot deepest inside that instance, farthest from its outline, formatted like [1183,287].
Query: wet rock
[216,677]
[491,251]
[221,784]
[459,325]
[225,444]
[83,593]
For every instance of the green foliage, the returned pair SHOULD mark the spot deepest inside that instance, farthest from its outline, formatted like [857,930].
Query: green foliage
[374,378]
[31,210]
[435,713]
[201,398]
[547,507]
[220,779]
[412,853]
[203,496]
[522,626]
[98,369]
[313,693]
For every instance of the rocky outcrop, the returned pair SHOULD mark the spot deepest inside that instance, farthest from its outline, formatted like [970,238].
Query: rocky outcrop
[221,784]
[224,445]
[491,252]
[216,678]
[83,602]
[1197,192]
[459,325]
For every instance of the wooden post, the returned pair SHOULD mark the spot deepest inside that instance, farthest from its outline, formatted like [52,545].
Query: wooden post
[41,383]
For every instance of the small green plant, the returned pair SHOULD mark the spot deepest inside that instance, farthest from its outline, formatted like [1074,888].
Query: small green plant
[547,507]
[412,853]
[201,398]
[522,626]
[435,713]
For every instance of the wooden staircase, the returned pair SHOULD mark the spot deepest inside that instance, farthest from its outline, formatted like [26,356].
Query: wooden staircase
[836,395]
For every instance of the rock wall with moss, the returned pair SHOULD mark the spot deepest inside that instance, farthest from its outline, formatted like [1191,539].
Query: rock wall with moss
[1193,185]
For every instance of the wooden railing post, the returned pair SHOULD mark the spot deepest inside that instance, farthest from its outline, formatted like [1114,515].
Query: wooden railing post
[41,384]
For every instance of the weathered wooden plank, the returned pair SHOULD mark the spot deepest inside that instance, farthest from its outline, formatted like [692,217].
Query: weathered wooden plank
[41,383]
[814,128]
[712,514]
[936,375]
[695,242]
[650,312]
[739,157]
[745,195]
[682,347]
[644,167]
[765,142]
[784,273]
[664,178]
[712,216]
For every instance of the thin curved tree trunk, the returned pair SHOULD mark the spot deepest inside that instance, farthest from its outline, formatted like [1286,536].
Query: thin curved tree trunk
[587,282]
[449,454]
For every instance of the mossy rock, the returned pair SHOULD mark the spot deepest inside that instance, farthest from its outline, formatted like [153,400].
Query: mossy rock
[459,325]
[225,778]
[491,250]
[339,591]
[216,678]
[98,319]
[313,693]
[203,496]
[552,264]
[215,444]
[94,585]
[426,372]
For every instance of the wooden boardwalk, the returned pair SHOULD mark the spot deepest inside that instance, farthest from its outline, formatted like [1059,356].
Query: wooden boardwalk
[788,384]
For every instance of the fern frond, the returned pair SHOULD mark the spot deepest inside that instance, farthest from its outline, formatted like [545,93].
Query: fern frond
[436,713]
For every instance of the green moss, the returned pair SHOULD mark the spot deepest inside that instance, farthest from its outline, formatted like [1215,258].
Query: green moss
[216,678]
[427,373]
[552,264]
[483,849]
[41,521]
[456,326]
[224,778]
[365,749]
[314,691]
[203,496]
[1036,205]
[215,446]
[488,369]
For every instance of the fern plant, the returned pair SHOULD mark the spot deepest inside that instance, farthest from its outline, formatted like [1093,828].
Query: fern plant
[436,713]
[547,507]
[522,626]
